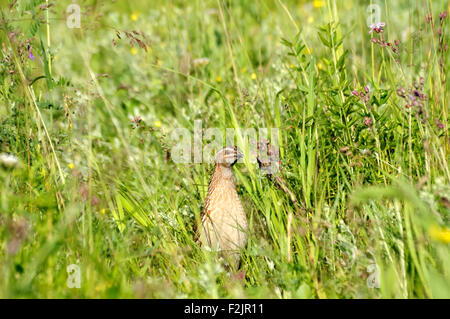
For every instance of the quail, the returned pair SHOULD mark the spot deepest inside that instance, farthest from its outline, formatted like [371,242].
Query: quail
[224,224]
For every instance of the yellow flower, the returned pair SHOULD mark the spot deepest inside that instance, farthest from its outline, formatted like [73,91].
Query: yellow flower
[218,79]
[318,3]
[292,66]
[243,70]
[70,165]
[320,66]
[309,51]
[253,76]
[135,15]
[440,234]
[103,211]
[310,19]
[133,50]
[158,123]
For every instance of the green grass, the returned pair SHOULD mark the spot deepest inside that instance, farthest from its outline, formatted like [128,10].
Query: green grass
[363,187]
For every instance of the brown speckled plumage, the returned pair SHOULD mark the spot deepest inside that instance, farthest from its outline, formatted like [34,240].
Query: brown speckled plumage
[224,223]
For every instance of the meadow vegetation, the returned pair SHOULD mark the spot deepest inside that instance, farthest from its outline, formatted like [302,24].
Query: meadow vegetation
[359,209]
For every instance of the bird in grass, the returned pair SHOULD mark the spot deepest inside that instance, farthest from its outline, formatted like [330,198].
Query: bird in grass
[223,221]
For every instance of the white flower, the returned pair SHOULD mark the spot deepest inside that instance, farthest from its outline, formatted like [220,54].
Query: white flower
[200,62]
[8,161]
[377,27]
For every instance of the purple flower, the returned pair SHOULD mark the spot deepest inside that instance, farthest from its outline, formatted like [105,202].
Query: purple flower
[377,27]
[355,93]
[366,89]
[443,15]
[30,54]
[367,121]
[439,124]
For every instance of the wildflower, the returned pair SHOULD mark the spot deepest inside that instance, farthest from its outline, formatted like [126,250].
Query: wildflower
[413,100]
[253,76]
[363,95]
[318,3]
[134,16]
[377,27]
[136,119]
[103,211]
[95,201]
[30,53]
[70,166]
[292,66]
[200,62]
[440,234]
[8,161]
[438,124]
[367,121]
[310,19]
[401,92]
[218,79]
[158,123]
[442,15]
